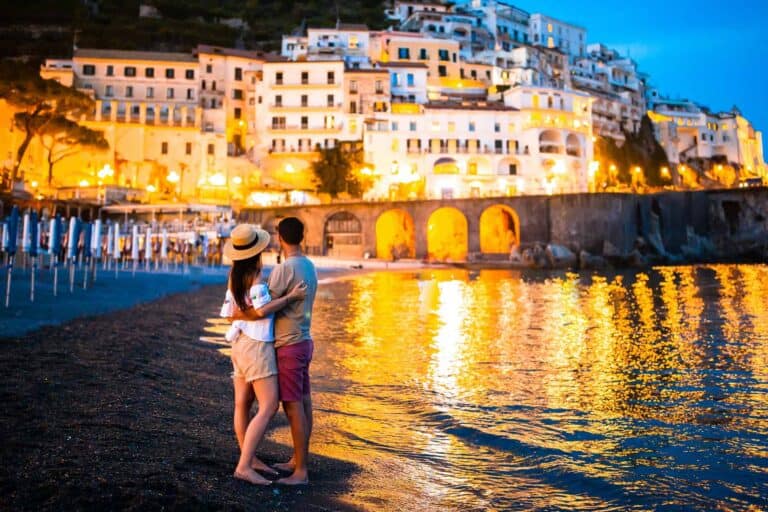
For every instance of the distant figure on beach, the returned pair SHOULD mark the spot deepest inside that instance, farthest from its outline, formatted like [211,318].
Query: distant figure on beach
[253,353]
[294,345]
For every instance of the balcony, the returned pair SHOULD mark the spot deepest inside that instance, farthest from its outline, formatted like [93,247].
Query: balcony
[306,85]
[305,129]
[304,108]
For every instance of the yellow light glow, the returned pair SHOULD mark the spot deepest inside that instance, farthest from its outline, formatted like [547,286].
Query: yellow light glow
[84,183]
[34,184]
[217,180]
[173,177]
[151,188]
[106,171]
[289,168]
[237,180]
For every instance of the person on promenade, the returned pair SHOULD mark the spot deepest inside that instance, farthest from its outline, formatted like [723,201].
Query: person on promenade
[293,344]
[253,353]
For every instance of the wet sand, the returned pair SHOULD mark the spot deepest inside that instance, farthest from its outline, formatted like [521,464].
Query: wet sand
[130,410]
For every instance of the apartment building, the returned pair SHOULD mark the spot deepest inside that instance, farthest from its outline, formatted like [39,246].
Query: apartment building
[552,33]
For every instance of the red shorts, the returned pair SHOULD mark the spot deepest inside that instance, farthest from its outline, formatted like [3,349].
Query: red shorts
[293,370]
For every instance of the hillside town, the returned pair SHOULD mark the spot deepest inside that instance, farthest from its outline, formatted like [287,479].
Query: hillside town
[473,98]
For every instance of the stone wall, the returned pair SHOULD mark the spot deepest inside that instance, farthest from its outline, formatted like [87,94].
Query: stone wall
[578,221]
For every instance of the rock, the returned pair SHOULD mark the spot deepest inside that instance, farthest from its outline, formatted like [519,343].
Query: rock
[516,255]
[610,250]
[588,261]
[535,257]
[696,248]
[636,259]
[655,242]
[559,256]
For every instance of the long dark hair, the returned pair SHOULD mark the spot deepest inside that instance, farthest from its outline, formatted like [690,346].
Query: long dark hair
[243,273]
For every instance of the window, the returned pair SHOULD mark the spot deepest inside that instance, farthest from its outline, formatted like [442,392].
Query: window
[550,102]
[149,72]
[497,127]
[412,126]
[329,100]
[423,54]
[379,87]
[238,112]
[279,100]
[279,78]
[189,74]
[110,70]
[304,77]
[442,55]
[150,92]
[238,74]
[549,28]
[169,93]
[213,85]
[211,149]
[188,148]
[129,71]
[190,94]
[498,146]
[164,148]
[208,68]
[108,92]
[331,77]
[202,86]
[278,123]
[237,94]
[353,107]
[304,100]
[403,53]
[472,168]
[395,126]
[442,71]
[129,91]
[330,122]
[471,126]
[451,126]
[550,42]
[353,87]
[89,69]
[409,79]
[170,73]
[304,122]
[512,169]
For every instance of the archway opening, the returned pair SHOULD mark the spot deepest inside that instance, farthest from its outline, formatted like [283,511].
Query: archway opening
[499,230]
[447,235]
[573,145]
[445,166]
[395,235]
[550,141]
[343,236]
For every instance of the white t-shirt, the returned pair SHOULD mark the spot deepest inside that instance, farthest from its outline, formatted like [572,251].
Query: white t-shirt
[259,330]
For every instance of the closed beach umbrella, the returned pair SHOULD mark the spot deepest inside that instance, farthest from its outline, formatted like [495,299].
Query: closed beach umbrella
[54,237]
[33,234]
[3,236]
[96,240]
[116,247]
[164,245]
[74,235]
[13,230]
[148,245]
[110,231]
[205,245]
[135,243]
[25,233]
[87,239]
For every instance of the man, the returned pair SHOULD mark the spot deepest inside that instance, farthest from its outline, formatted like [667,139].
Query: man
[294,345]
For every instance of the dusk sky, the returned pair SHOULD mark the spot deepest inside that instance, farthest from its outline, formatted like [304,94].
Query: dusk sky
[712,52]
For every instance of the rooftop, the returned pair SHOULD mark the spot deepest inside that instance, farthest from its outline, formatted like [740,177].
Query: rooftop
[93,53]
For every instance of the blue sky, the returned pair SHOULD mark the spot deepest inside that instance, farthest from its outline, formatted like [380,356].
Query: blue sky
[713,52]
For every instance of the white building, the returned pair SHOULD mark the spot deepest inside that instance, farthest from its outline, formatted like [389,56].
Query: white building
[553,33]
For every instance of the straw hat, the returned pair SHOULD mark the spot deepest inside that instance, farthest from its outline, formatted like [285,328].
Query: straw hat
[245,242]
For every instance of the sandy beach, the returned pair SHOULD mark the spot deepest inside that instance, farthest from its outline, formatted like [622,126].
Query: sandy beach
[129,410]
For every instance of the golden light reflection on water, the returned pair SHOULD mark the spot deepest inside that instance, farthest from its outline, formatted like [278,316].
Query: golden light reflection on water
[498,390]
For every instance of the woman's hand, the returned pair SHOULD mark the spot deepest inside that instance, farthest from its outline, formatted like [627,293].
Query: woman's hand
[298,292]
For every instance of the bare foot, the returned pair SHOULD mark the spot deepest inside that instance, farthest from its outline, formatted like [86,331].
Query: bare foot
[251,476]
[294,479]
[286,467]
[257,465]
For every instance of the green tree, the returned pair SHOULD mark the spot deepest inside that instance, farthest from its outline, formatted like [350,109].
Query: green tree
[337,170]
[39,102]
[62,138]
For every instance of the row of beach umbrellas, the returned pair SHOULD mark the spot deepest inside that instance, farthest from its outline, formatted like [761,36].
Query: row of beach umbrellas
[73,243]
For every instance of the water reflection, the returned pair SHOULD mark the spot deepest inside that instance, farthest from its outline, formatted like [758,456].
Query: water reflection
[502,390]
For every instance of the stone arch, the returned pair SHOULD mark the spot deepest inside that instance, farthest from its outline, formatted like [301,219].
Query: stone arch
[550,141]
[445,165]
[447,235]
[343,235]
[573,145]
[395,235]
[499,230]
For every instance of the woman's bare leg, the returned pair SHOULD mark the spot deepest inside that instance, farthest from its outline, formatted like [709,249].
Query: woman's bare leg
[267,396]
[244,397]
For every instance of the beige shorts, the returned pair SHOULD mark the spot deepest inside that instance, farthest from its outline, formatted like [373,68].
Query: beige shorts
[253,360]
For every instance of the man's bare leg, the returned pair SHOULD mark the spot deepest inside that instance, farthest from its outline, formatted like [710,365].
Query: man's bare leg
[298,421]
[291,464]
[266,394]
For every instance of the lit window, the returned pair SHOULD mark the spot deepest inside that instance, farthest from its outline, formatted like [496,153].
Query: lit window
[549,28]
[451,127]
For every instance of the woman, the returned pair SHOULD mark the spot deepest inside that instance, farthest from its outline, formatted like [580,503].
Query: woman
[253,352]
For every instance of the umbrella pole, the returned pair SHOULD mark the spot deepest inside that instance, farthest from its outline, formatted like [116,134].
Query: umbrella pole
[55,277]
[8,282]
[71,275]
[86,264]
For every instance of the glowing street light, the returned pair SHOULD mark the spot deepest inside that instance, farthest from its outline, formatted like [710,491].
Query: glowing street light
[217,180]
[151,188]
[289,168]
[84,183]
[237,180]
[173,177]
[106,172]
